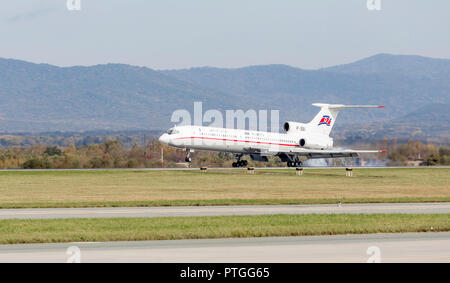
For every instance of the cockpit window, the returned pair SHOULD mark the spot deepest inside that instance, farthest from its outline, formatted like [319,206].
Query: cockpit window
[172,131]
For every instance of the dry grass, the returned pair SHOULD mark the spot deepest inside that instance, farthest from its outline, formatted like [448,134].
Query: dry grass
[140,188]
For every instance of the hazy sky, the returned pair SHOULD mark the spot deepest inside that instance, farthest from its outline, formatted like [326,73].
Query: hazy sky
[166,34]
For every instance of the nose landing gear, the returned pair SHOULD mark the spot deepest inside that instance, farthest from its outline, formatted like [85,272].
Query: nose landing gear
[188,158]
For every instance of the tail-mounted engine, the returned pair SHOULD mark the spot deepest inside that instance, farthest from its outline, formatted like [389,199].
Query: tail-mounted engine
[294,127]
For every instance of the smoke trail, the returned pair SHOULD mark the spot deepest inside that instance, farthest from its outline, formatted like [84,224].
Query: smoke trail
[316,163]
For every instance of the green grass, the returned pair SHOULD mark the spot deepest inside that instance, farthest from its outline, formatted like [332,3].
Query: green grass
[171,228]
[106,188]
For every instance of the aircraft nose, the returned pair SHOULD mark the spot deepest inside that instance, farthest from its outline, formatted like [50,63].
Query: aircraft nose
[164,139]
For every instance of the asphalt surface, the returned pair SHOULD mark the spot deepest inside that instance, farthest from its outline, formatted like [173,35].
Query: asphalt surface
[59,213]
[414,247]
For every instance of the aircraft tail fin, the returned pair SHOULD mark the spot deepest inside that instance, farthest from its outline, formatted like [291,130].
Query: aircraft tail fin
[325,119]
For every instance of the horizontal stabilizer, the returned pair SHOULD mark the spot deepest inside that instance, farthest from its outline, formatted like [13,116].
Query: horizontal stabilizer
[342,106]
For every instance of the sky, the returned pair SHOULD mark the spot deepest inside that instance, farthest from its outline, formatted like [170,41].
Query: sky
[174,34]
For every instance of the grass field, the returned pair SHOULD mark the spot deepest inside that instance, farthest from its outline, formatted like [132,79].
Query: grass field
[21,189]
[135,229]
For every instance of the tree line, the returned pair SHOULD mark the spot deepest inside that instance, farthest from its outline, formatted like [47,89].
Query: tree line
[112,154]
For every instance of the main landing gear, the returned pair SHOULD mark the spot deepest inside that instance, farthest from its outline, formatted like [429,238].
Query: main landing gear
[239,162]
[295,163]
[291,160]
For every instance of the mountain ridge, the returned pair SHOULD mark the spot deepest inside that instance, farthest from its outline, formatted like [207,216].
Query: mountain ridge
[43,97]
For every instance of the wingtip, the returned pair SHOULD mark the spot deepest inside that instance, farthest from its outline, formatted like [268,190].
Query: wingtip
[383,150]
[381,106]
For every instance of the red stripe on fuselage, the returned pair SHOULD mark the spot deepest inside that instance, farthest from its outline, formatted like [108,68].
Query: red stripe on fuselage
[204,138]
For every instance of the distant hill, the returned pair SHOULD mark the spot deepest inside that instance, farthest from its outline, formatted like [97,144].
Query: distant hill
[40,97]
[48,98]
[428,123]
[398,65]
[438,114]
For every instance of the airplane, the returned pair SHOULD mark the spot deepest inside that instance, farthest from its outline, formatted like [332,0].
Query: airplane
[311,140]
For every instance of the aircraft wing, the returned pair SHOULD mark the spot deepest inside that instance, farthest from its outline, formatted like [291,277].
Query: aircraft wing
[314,154]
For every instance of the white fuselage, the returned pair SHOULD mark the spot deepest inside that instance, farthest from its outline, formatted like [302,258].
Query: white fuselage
[243,141]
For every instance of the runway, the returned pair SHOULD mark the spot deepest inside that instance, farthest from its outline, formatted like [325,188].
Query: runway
[414,247]
[220,168]
[60,213]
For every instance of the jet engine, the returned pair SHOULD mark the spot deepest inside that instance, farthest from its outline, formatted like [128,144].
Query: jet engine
[315,142]
[294,127]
